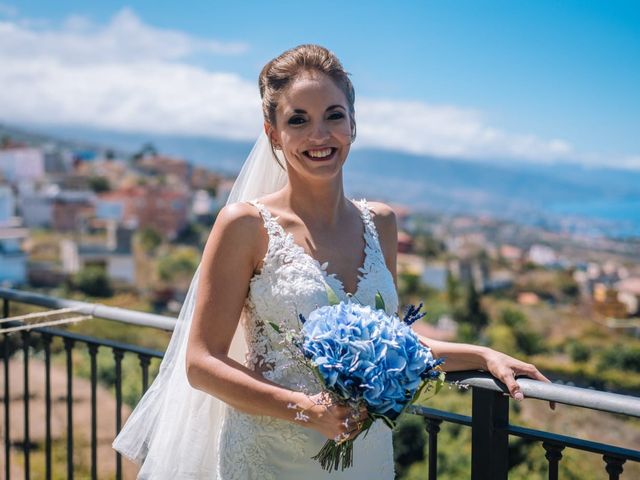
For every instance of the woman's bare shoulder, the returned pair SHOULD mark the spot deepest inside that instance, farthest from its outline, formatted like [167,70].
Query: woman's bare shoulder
[239,215]
[238,227]
[384,218]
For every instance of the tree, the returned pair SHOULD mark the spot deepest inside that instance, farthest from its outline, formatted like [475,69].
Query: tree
[453,290]
[146,150]
[177,268]
[527,341]
[93,280]
[409,441]
[149,239]
[99,184]
[409,283]
[578,351]
[472,313]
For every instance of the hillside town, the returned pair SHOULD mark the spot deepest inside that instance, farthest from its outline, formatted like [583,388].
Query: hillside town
[128,229]
[64,210]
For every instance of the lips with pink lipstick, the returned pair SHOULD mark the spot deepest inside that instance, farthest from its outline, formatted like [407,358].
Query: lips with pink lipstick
[320,154]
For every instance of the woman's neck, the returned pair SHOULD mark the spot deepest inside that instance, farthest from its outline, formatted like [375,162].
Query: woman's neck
[321,202]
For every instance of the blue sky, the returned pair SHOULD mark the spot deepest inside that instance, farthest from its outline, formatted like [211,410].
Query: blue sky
[538,80]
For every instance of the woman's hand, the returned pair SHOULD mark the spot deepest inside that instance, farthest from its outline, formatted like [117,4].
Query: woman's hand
[506,369]
[336,421]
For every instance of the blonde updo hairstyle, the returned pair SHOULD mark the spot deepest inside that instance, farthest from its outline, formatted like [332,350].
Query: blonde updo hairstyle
[278,74]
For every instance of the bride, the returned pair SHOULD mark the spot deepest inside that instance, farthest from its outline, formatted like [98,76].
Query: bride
[227,403]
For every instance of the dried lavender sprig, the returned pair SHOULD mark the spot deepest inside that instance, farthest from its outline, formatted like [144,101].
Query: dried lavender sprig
[413,314]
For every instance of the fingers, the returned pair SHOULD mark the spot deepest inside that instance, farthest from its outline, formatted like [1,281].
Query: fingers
[514,389]
[530,371]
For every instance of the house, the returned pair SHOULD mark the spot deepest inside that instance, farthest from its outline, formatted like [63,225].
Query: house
[71,210]
[203,204]
[36,206]
[471,270]
[629,294]
[542,255]
[161,207]
[431,274]
[510,253]
[115,256]
[13,259]
[607,303]
[161,165]
[7,205]
[21,163]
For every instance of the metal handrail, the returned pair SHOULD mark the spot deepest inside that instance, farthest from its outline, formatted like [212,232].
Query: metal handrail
[565,394]
[96,309]
[568,395]
[489,422]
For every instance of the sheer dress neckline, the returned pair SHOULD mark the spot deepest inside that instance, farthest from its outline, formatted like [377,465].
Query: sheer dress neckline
[274,228]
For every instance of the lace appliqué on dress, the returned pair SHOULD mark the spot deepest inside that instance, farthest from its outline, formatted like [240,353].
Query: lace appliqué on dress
[291,282]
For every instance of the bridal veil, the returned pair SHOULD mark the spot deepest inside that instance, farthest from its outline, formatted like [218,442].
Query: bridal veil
[174,430]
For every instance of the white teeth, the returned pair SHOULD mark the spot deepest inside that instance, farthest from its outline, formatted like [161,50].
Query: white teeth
[319,153]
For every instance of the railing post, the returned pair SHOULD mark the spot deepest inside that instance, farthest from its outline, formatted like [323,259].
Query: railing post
[26,440]
[68,346]
[553,455]
[433,427]
[489,438]
[7,395]
[47,339]
[614,466]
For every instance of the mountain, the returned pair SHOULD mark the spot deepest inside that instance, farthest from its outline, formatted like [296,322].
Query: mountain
[510,189]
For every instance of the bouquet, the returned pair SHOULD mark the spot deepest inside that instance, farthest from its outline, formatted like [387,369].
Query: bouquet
[363,356]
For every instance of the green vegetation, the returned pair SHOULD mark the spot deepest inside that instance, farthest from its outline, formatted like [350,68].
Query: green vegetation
[178,266]
[93,280]
[149,239]
[99,184]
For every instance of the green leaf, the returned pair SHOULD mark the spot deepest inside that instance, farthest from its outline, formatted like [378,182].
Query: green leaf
[275,326]
[379,302]
[428,390]
[331,295]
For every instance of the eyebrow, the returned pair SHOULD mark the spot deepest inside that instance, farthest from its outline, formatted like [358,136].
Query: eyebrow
[330,107]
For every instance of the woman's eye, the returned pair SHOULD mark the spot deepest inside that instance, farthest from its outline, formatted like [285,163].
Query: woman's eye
[336,116]
[296,121]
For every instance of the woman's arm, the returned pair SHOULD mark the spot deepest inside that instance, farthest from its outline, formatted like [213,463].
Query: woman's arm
[458,356]
[228,262]
[233,250]
[462,356]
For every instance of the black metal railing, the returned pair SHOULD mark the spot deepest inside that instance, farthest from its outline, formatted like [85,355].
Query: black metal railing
[489,420]
[38,341]
[490,428]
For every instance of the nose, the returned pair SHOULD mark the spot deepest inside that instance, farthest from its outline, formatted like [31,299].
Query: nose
[319,132]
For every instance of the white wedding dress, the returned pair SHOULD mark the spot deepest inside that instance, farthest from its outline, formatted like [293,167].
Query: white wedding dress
[291,282]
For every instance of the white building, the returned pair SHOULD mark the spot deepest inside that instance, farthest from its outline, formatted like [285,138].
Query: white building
[36,206]
[542,255]
[203,203]
[115,256]
[22,164]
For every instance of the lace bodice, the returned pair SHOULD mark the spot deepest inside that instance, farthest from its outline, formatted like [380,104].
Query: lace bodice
[290,283]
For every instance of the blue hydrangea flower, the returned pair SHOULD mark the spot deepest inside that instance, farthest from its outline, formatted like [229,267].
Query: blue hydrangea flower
[363,354]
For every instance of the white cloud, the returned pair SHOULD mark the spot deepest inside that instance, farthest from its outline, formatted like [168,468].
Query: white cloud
[157,97]
[448,131]
[124,39]
[129,76]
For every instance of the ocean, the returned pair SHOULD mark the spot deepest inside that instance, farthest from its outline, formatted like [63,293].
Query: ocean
[623,216]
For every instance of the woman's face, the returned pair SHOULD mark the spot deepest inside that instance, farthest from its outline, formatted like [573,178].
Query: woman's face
[313,126]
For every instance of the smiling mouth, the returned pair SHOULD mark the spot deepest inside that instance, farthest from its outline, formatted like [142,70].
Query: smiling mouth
[321,153]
